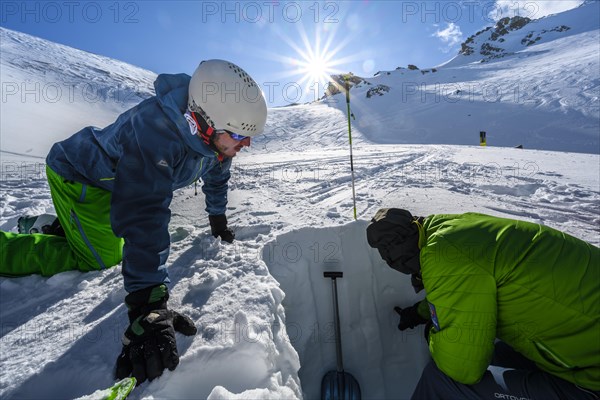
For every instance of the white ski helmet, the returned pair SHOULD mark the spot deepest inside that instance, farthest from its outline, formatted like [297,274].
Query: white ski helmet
[227,98]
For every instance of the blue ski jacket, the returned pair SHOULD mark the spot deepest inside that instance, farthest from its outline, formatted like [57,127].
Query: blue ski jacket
[147,153]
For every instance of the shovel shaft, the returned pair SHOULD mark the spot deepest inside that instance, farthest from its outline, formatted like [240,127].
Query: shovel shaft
[338,336]
[336,319]
[338,385]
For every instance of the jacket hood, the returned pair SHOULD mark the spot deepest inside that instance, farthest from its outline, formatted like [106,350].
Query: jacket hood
[395,233]
[172,95]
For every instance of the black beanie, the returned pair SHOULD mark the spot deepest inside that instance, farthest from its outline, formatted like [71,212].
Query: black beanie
[395,234]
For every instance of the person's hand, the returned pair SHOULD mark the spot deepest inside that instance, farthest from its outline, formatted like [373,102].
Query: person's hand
[149,344]
[410,317]
[218,228]
[427,330]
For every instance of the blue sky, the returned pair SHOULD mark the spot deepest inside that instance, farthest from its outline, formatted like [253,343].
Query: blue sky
[287,46]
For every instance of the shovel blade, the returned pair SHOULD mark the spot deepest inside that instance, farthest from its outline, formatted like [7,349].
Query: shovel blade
[339,386]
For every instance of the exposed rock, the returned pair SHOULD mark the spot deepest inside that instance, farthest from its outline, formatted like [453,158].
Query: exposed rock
[506,24]
[528,40]
[378,90]
[502,28]
[489,50]
[466,49]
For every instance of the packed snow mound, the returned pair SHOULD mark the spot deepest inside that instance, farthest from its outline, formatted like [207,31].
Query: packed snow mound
[72,329]
[387,363]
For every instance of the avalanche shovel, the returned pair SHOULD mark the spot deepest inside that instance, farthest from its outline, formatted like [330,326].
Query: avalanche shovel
[338,384]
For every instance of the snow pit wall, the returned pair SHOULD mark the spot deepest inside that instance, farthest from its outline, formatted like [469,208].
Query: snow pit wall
[386,362]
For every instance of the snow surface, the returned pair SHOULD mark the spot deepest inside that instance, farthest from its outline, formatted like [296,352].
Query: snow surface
[261,305]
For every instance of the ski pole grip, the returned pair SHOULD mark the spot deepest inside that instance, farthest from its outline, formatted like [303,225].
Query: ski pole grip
[333,274]
[347,87]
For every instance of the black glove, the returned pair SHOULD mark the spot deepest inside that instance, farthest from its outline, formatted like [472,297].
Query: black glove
[149,344]
[410,317]
[427,330]
[218,228]
[417,282]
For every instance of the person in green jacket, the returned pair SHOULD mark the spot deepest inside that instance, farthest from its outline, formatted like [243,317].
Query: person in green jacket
[512,308]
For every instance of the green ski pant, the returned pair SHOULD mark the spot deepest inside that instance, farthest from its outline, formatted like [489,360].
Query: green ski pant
[90,244]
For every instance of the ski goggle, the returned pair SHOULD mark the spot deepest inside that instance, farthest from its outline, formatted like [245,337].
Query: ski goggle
[234,136]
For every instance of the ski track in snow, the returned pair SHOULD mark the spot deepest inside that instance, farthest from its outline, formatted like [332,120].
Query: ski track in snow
[515,185]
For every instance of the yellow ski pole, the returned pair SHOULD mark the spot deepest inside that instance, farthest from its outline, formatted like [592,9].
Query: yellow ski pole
[347,86]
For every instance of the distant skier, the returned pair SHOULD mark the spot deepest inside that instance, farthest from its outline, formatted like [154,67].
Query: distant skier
[112,189]
[534,288]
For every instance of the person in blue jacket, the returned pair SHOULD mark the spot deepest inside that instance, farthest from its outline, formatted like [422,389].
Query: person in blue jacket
[112,189]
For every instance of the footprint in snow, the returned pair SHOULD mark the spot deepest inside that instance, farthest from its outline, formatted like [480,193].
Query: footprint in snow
[251,232]
[180,234]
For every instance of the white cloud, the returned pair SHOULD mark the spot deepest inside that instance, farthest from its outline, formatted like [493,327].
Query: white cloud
[531,8]
[451,36]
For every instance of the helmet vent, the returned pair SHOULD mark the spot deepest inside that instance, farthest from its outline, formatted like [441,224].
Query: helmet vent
[243,75]
[249,127]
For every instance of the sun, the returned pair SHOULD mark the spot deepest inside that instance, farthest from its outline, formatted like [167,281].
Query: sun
[315,68]
[312,61]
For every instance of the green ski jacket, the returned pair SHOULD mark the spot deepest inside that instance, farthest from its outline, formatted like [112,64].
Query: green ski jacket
[533,287]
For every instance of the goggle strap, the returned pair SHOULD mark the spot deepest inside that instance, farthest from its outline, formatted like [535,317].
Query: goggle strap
[206,131]
[206,136]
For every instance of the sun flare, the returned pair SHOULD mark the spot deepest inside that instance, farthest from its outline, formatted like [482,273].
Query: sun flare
[315,68]
[315,63]
[312,61]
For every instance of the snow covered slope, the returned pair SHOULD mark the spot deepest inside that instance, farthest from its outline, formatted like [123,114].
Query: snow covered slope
[50,91]
[261,305]
[534,84]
